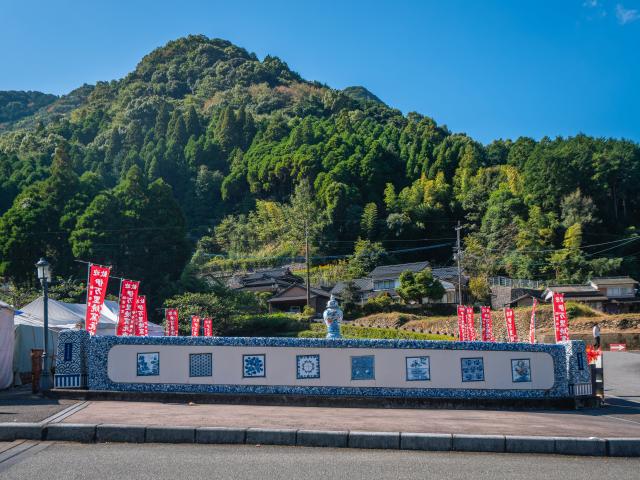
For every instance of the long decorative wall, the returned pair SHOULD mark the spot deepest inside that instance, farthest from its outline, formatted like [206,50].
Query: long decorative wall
[384,368]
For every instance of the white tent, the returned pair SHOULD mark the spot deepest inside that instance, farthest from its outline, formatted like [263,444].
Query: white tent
[6,345]
[29,325]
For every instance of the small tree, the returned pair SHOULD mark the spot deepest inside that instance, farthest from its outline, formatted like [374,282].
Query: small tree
[416,286]
[479,287]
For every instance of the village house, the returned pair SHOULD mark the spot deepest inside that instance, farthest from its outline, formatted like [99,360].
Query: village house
[272,280]
[386,279]
[606,294]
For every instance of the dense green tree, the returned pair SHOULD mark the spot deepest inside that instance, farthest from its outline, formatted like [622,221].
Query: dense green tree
[416,286]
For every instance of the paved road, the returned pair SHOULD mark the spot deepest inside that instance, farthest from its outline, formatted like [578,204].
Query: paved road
[622,375]
[171,462]
[20,405]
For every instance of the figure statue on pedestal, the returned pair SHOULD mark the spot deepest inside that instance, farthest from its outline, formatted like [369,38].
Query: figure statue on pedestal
[332,317]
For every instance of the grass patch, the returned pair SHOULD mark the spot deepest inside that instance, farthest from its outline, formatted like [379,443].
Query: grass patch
[318,330]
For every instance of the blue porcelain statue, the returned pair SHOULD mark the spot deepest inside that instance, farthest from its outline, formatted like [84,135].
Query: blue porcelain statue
[332,317]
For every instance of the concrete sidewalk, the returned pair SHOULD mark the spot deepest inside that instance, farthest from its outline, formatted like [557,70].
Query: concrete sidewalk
[621,420]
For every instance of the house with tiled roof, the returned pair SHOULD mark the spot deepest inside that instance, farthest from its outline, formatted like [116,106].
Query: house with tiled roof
[386,279]
[606,294]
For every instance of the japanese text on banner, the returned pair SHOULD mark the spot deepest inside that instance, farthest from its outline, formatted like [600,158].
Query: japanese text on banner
[461,322]
[171,315]
[471,328]
[141,324]
[560,318]
[96,291]
[487,324]
[128,295]
[208,327]
[195,326]
[510,318]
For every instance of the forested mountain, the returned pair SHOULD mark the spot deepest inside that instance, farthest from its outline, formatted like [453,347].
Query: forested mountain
[16,105]
[200,148]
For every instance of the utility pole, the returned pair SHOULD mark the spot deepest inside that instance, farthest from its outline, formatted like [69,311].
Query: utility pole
[458,255]
[306,250]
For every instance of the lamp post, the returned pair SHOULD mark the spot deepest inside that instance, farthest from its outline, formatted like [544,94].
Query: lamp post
[44,275]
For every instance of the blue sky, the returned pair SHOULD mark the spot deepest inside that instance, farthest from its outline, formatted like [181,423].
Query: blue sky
[492,69]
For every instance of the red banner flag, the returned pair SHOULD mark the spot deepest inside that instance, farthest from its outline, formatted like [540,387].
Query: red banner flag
[471,328]
[208,327]
[532,325]
[487,324]
[560,318]
[461,323]
[140,322]
[510,318]
[96,290]
[128,295]
[195,326]
[171,316]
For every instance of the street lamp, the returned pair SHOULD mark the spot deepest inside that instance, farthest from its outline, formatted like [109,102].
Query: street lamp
[44,275]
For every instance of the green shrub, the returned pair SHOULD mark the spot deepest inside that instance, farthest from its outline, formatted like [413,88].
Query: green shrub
[265,325]
[351,331]
[576,309]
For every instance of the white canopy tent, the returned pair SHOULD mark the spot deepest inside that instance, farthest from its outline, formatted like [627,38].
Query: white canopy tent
[29,327]
[6,345]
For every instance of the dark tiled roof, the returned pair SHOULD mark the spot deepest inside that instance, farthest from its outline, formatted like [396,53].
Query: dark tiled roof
[572,289]
[394,271]
[317,292]
[362,284]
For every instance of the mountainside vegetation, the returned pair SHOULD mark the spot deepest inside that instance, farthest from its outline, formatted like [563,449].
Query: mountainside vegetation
[206,158]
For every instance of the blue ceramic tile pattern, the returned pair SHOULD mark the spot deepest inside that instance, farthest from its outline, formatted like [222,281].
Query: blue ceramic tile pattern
[200,365]
[71,356]
[99,349]
[363,368]
[68,351]
[148,364]
[417,369]
[253,366]
[307,366]
[472,369]
[576,353]
[520,370]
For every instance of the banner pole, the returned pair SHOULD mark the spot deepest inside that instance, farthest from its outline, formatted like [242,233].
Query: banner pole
[84,323]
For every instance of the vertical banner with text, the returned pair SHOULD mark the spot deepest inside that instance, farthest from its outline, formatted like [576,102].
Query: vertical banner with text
[140,322]
[471,328]
[195,326]
[171,317]
[560,318]
[532,324]
[128,295]
[510,318]
[96,290]
[461,322]
[487,324]
[208,327]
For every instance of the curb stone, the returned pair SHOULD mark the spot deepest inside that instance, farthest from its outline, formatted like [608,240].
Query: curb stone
[322,438]
[120,433]
[529,444]
[434,442]
[384,440]
[20,431]
[479,443]
[623,447]
[581,446]
[220,435]
[268,436]
[613,447]
[170,434]
[71,432]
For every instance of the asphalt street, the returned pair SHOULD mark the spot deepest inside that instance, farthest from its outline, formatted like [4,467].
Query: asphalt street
[171,462]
